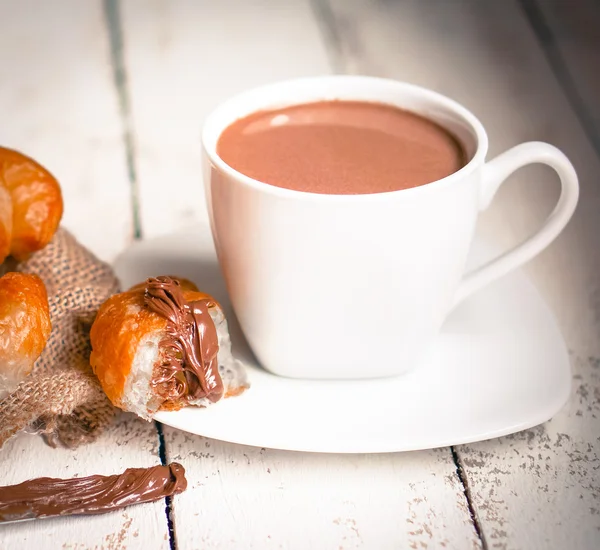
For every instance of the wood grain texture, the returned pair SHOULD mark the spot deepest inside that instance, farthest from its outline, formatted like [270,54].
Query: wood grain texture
[58,104]
[537,489]
[130,443]
[183,58]
[570,34]
[540,488]
[246,497]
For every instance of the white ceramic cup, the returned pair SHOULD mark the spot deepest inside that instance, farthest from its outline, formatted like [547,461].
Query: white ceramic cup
[358,286]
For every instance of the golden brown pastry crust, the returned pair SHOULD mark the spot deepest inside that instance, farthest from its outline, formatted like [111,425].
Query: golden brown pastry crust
[120,326]
[35,204]
[24,323]
[5,223]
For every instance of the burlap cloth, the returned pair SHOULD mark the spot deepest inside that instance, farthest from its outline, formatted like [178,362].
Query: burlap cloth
[62,398]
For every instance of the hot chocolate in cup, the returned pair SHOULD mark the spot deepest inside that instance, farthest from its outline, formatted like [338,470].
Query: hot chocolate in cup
[341,148]
[343,209]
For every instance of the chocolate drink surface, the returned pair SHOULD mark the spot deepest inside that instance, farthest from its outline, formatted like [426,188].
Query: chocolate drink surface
[341,148]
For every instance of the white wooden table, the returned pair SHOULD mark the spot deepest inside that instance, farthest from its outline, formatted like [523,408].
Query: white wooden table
[111,97]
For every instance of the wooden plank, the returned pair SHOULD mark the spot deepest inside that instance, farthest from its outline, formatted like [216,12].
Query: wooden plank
[570,35]
[58,104]
[537,489]
[540,488]
[183,58]
[259,498]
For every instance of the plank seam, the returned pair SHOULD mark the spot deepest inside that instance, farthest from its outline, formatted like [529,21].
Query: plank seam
[115,33]
[162,453]
[461,474]
[330,32]
[545,37]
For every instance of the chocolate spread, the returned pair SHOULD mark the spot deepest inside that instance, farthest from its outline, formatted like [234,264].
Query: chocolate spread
[46,496]
[188,366]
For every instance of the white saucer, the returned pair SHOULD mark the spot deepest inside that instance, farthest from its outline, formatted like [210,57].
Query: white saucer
[499,366]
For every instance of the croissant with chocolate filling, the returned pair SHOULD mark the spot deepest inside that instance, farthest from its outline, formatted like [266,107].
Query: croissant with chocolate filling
[31,205]
[24,327]
[163,345]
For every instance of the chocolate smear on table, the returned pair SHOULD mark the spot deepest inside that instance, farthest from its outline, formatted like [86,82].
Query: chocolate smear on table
[189,364]
[46,497]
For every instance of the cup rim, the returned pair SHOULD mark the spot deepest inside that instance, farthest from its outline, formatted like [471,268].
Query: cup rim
[463,113]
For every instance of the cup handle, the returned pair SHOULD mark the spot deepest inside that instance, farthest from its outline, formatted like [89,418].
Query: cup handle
[495,173]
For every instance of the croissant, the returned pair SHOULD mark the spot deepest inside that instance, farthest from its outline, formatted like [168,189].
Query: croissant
[24,326]
[163,345]
[31,205]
